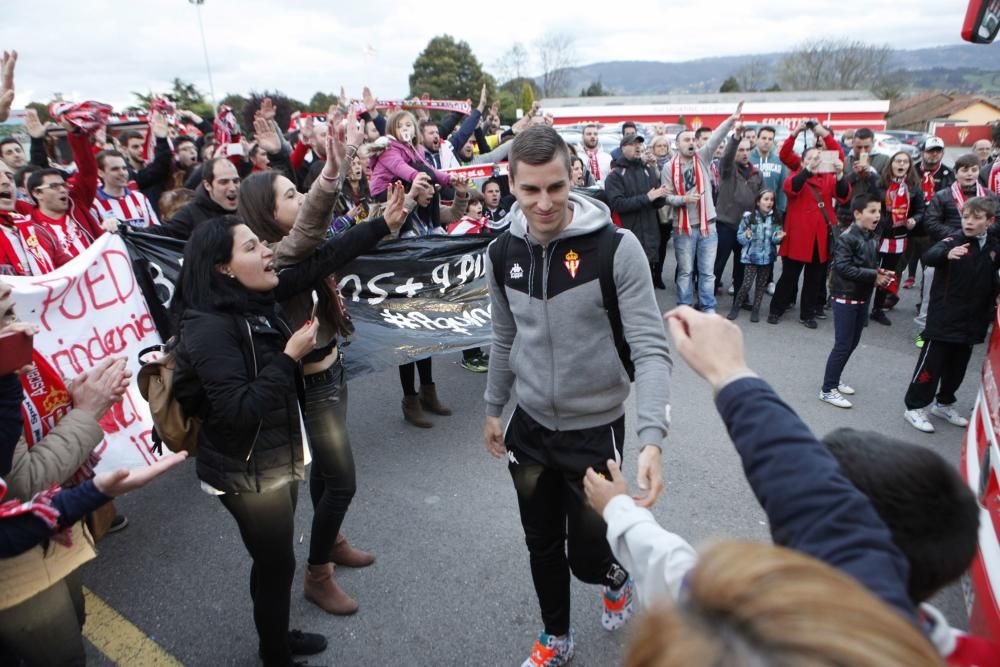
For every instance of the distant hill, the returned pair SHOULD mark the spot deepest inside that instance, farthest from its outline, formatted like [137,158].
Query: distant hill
[951,67]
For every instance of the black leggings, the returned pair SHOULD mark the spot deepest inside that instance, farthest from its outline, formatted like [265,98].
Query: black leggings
[562,531]
[757,276]
[331,481]
[406,378]
[267,526]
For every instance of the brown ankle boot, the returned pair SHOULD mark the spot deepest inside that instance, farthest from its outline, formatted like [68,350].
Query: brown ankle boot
[429,399]
[413,413]
[344,554]
[323,591]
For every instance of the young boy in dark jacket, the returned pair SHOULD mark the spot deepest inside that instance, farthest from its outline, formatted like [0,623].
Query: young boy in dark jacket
[962,305]
[855,273]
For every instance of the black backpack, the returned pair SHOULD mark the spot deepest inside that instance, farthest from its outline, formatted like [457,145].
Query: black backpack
[608,244]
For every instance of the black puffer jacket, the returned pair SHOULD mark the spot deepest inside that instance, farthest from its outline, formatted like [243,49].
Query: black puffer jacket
[626,187]
[232,372]
[855,259]
[963,294]
[251,438]
[942,217]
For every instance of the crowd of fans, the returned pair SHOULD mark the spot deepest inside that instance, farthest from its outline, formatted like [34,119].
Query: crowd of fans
[270,219]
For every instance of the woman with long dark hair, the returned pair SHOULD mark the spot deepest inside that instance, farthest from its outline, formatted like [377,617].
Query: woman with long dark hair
[293,226]
[902,211]
[240,370]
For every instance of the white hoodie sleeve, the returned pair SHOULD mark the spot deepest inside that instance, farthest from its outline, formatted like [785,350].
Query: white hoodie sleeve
[656,558]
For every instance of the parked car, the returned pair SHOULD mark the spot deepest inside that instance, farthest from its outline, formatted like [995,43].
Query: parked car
[886,144]
[912,141]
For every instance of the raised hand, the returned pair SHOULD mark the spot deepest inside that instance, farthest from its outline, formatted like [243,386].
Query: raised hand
[96,390]
[33,125]
[482,99]
[332,167]
[394,213]
[355,131]
[264,133]
[267,109]
[369,99]
[158,124]
[7,64]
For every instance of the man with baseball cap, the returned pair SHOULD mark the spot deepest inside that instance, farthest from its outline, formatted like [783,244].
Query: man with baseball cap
[635,194]
[934,176]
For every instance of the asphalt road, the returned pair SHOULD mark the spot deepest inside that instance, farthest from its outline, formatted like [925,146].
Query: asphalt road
[451,585]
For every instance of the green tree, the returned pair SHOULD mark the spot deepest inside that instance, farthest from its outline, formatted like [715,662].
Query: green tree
[320,102]
[283,106]
[730,85]
[596,89]
[183,94]
[42,109]
[447,69]
[527,97]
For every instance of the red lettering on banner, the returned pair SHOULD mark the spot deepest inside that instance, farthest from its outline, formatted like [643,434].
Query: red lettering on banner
[73,298]
[84,355]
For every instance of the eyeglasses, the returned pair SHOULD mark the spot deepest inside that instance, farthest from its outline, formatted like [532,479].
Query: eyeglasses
[53,186]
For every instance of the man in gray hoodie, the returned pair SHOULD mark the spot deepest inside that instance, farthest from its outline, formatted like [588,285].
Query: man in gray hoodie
[553,343]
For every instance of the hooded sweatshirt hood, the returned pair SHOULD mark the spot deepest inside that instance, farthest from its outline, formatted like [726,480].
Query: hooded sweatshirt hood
[588,215]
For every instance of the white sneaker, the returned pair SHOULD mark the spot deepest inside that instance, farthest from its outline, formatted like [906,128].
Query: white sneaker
[730,291]
[846,389]
[918,420]
[949,414]
[834,397]
[770,289]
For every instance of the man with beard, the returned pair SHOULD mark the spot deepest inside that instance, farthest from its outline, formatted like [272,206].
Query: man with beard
[635,194]
[598,162]
[739,183]
[689,190]
[217,195]
[114,202]
[773,171]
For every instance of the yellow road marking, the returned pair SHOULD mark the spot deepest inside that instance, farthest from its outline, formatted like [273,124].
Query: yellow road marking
[119,639]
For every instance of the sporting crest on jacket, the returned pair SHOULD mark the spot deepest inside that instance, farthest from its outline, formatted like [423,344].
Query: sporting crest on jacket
[516,272]
[572,263]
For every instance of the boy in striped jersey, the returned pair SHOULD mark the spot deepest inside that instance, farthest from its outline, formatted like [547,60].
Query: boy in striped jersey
[114,202]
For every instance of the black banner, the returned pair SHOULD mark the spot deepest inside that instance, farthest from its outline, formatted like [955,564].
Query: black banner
[409,299]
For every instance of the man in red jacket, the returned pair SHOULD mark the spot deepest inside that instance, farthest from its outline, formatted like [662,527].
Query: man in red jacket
[64,208]
[809,220]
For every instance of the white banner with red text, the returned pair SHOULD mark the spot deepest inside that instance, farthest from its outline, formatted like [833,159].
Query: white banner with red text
[88,310]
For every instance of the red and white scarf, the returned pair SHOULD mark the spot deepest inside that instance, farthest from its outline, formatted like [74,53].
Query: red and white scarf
[897,202]
[956,192]
[169,112]
[32,260]
[461,106]
[994,178]
[40,506]
[929,184]
[87,116]
[677,176]
[595,166]
[227,130]
[46,400]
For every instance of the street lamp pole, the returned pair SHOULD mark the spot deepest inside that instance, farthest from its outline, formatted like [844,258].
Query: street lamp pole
[204,48]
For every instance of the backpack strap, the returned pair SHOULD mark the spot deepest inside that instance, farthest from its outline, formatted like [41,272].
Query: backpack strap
[498,258]
[608,242]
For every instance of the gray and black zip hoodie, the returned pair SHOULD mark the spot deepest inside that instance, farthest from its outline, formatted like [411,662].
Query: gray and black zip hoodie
[552,340]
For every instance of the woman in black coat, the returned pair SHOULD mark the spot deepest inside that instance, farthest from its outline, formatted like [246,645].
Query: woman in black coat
[239,369]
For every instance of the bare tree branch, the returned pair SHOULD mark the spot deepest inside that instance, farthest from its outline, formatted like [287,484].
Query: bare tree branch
[556,54]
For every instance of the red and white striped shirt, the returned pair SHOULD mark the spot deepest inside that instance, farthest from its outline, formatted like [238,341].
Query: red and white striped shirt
[133,209]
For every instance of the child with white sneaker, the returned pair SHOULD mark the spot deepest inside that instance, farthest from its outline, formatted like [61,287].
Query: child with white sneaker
[855,273]
[962,306]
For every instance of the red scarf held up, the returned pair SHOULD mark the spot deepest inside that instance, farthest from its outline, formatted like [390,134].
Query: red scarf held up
[87,116]
[227,130]
[595,167]
[994,178]
[897,200]
[677,176]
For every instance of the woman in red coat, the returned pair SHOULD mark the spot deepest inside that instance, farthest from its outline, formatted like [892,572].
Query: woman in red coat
[808,220]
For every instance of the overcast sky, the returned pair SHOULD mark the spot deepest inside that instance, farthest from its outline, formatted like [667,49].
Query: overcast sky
[103,50]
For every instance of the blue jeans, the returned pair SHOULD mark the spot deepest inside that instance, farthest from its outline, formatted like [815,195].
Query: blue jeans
[686,246]
[848,323]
